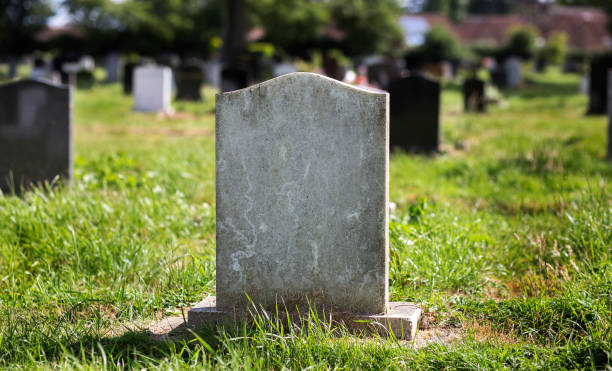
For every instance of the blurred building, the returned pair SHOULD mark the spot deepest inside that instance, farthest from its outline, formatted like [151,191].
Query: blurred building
[586,27]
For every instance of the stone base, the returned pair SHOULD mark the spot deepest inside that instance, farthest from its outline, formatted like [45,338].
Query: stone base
[401,320]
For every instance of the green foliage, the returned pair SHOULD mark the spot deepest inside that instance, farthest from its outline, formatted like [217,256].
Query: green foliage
[441,45]
[19,22]
[556,48]
[522,42]
[369,26]
[291,24]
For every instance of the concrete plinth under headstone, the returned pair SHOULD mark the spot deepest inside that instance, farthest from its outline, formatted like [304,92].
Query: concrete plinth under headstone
[302,203]
[35,134]
[152,89]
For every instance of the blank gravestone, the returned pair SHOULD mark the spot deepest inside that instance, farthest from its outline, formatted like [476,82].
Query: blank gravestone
[302,197]
[35,134]
[189,80]
[152,89]
[474,95]
[415,113]
[513,67]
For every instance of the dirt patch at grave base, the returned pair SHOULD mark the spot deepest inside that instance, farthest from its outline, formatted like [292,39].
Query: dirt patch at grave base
[149,130]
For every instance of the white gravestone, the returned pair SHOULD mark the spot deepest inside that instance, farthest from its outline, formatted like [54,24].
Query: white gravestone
[302,202]
[152,89]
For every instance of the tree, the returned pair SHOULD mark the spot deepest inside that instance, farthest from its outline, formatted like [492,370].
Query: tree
[370,26]
[19,22]
[521,42]
[440,45]
[556,48]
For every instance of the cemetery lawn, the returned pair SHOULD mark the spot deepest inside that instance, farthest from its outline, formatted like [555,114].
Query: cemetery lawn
[505,240]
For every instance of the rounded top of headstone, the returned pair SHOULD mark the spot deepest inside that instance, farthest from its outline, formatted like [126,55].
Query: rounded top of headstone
[298,78]
[34,82]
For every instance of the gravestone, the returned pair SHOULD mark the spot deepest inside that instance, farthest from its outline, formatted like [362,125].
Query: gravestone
[474,98]
[189,80]
[499,77]
[302,203]
[152,89]
[112,64]
[234,78]
[598,89]
[415,113]
[610,114]
[35,134]
[128,77]
[513,67]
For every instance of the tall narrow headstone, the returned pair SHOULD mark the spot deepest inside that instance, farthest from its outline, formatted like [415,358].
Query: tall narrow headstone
[302,198]
[35,134]
[112,65]
[474,98]
[189,80]
[128,77]
[415,113]
[610,114]
[513,67]
[152,89]
[598,89]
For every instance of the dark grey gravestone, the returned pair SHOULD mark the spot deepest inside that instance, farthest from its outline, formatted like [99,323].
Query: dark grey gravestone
[598,88]
[415,113]
[474,95]
[189,81]
[128,77]
[609,114]
[499,77]
[35,134]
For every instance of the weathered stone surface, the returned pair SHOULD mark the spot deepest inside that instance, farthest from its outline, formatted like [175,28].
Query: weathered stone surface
[302,187]
[415,113]
[152,89]
[401,319]
[35,133]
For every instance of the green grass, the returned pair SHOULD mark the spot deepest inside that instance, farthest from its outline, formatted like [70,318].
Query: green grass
[505,239]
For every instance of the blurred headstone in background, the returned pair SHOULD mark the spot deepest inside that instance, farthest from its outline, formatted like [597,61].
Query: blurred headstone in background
[189,80]
[610,114]
[35,134]
[513,67]
[598,84]
[474,98]
[332,67]
[152,89]
[128,77]
[584,84]
[212,72]
[499,77]
[112,64]
[415,113]
[42,72]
